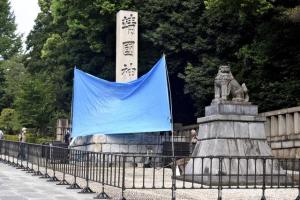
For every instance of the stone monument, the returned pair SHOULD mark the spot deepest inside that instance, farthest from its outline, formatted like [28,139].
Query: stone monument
[126,46]
[126,71]
[231,128]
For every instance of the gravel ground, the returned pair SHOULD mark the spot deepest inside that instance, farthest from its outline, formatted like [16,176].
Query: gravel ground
[182,194]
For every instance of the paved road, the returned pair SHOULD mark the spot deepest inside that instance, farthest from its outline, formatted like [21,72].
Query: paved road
[18,185]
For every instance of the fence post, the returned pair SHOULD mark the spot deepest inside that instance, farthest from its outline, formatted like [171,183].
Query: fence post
[25,157]
[173,178]
[1,143]
[87,189]
[38,149]
[74,185]
[123,178]
[298,197]
[46,175]
[64,153]
[264,180]
[220,180]
[103,194]
[20,154]
[52,159]
[31,170]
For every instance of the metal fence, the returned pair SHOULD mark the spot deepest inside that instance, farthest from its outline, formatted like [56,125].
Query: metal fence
[151,172]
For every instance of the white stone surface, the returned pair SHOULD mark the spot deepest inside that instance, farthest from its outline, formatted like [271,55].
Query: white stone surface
[257,130]
[281,125]
[289,124]
[274,126]
[225,109]
[127,46]
[297,122]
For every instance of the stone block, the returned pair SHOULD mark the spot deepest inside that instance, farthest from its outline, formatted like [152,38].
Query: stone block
[297,153]
[287,144]
[203,130]
[264,149]
[257,130]
[115,148]
[225,129]
[106,148]
[233,148]
[241,129]
[133,138]
[281,125]
[220,147]
[276,145]
[297,143]
[99,139]
[142,149]
[297,122]
[292,153]
[94,147]
[289,123]
[133,148]
[286,153]
[241,118]
[274,126]
[231,109]
[115,139]
[124,148]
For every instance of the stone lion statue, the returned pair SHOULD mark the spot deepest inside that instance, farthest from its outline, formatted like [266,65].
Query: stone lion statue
[227,88]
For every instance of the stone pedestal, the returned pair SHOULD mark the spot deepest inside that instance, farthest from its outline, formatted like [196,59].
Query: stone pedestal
[139,143]
[231,130]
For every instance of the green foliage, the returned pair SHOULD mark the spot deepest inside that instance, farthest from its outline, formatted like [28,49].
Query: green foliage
[36,102]
[258,38]
[30,138]
[9,121]
[14,138]
[10,42]
[259,42]
[13,76]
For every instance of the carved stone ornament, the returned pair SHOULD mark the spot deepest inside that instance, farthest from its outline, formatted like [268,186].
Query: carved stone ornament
[227,89]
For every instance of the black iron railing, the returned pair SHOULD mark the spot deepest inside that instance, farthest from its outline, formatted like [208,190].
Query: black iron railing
[151,172]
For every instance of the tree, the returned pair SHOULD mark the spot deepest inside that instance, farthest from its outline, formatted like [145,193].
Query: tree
[258,41]
[10,42]
[9,120]
[36,102]
[13,76]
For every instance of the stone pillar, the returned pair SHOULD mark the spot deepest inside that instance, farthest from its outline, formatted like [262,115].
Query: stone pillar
[274,126]
[297,122]
[281,125]
[62,126]
[268,126]
[289,123]
[126,46]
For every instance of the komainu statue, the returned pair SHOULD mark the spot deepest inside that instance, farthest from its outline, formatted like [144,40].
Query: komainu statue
[227,88]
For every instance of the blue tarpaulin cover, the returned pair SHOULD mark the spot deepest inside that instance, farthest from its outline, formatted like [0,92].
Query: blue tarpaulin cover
[103,107]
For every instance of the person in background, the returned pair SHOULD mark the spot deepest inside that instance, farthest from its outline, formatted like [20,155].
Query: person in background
[194,139]
[22,135]
[22,140]
[67,137]
[1,135]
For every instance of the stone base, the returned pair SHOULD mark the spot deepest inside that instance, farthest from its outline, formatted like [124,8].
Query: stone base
[228,109]
[241,180]
[231,130]
[140,143]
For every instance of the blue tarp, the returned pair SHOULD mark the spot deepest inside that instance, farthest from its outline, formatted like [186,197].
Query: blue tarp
[103,107]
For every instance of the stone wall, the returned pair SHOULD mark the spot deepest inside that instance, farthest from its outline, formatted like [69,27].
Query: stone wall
[283,132]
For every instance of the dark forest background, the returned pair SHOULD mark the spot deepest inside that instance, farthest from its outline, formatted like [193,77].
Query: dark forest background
[259,39]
